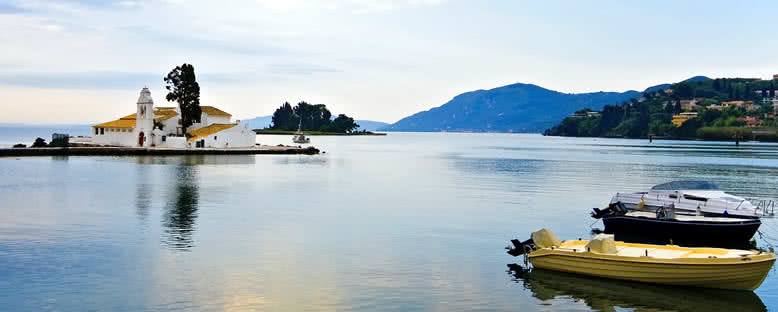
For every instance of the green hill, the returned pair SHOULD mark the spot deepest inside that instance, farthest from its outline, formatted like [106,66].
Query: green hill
[722,105]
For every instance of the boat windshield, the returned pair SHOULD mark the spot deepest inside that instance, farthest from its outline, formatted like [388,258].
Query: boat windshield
[686,185]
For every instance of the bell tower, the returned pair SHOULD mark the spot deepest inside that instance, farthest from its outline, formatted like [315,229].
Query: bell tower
[144,119]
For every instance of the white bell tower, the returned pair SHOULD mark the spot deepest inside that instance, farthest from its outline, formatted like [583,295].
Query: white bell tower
[144,120]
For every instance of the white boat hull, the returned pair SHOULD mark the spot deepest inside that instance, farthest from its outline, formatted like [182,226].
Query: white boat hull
[689,205]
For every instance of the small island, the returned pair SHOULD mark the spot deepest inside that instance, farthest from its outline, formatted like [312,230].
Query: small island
[722,109]
[186,129]
[313,119]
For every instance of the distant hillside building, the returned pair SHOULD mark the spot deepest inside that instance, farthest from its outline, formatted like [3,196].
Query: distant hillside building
[215,128]
[751,121]
[775,77]
[679,119]
[585,114]
[689,105]
[734,103]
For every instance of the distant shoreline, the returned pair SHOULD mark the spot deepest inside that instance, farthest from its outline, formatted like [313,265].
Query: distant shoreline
[316,133]
[668,138]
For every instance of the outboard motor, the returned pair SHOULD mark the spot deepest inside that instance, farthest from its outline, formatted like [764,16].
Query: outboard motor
[520,248]
[615,209]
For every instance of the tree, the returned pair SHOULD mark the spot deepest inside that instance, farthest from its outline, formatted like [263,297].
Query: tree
[284,118]
[343,124]
[669,107]
[184,89]
[677,109]
[39,142]
[772,90]
[60,141]
[315,117]
[684,90]
[612,116]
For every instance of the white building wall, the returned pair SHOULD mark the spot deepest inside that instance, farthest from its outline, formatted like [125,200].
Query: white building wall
[173,142]
[113,136]
[218,120]
[170,125]
[238,136]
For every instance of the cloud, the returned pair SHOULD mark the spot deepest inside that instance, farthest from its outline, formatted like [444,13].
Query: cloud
[355,6]
[74,5]
[298,69]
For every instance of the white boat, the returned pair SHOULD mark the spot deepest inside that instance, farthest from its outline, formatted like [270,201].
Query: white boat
[699,198]
[299,136]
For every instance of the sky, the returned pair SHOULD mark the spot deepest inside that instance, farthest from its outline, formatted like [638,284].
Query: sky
[85,61]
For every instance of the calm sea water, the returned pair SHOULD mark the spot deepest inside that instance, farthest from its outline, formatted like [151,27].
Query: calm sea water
[405,222]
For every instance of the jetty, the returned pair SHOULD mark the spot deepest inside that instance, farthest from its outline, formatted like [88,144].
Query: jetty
[151,151]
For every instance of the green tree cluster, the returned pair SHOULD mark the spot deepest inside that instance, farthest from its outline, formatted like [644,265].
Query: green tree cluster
[311,117]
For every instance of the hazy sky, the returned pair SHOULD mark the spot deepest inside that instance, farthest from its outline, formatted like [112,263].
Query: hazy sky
[84,61]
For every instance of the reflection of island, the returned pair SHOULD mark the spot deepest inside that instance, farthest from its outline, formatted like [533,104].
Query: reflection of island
[181,211]
[608,295]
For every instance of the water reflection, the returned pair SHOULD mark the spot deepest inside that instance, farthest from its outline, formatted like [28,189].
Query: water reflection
[612,295]
[196,160]
[142,194]
[181,210]
[300,160]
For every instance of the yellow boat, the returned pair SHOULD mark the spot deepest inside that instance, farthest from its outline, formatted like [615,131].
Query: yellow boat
[657,264]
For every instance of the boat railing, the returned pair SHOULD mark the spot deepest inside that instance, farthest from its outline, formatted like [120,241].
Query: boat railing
[765,208]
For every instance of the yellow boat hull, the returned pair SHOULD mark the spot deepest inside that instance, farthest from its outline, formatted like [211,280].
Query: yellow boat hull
[743,273]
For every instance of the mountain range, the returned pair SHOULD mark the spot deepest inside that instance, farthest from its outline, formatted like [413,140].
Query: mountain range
[513,108]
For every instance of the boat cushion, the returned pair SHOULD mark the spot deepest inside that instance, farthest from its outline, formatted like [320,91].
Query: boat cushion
[544,238]
[602,243]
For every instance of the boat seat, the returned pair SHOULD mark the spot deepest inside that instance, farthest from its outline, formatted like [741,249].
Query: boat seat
[602,243]
[544,238]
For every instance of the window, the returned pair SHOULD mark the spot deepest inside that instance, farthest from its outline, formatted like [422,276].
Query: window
[164,138]
[102,131]
[214,138]
[97,131]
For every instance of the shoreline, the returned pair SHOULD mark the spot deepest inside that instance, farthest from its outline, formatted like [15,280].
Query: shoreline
[666,139]
[143,151]
[316,133]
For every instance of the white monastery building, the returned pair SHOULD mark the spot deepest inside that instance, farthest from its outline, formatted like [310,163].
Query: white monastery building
[153,126]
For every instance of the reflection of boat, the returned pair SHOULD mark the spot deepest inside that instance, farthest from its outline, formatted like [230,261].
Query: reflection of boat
[658,264]
[299,136]
[664,226]
[610,295]
[695,198]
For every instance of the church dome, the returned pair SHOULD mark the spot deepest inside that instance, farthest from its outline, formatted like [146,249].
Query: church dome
[145,97]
